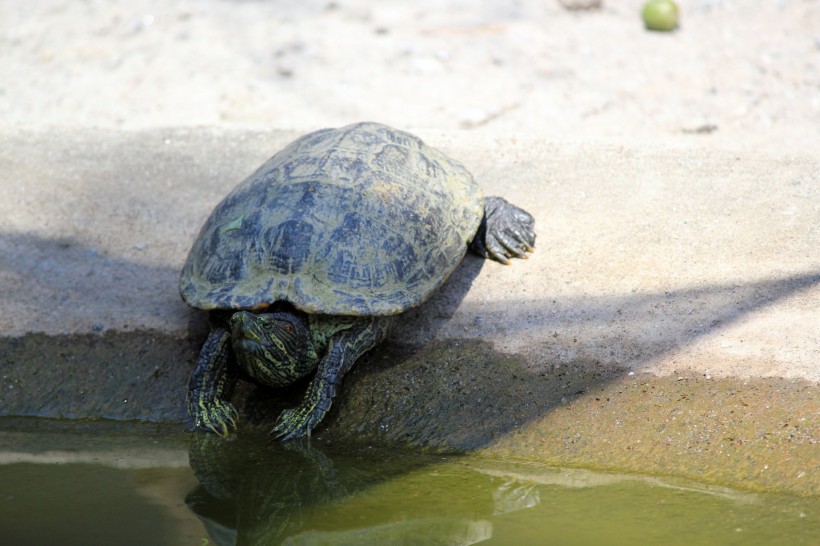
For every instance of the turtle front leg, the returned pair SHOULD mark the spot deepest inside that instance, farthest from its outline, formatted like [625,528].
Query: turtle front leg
[211,384]
[343,350]
[506,231]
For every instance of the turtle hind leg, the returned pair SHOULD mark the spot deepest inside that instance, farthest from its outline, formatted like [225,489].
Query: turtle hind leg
[506,231]
[211,384]
[343,350]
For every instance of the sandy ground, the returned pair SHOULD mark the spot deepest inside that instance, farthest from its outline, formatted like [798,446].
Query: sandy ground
[736,74]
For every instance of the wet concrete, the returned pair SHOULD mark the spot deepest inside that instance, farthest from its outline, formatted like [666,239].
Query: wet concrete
[461,396]
[759,433]
[124,376]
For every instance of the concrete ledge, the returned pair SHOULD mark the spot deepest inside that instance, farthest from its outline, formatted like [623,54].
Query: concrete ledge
[661,261]
[658,259]
[636,246]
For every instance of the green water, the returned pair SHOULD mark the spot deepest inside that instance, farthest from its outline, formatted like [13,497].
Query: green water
[151,490]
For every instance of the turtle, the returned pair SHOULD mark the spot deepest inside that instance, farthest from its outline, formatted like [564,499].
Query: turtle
[305,264]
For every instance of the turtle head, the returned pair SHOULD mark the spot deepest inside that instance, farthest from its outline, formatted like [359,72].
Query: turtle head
[273,348]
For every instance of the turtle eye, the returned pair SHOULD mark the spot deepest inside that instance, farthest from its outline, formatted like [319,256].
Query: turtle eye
[269,322]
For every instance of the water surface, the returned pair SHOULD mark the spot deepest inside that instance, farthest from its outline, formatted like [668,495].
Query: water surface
[149,488]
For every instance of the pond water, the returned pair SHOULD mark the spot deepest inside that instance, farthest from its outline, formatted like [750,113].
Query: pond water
[198,490]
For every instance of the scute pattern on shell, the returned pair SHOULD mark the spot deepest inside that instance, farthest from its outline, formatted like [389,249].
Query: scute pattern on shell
[360,220]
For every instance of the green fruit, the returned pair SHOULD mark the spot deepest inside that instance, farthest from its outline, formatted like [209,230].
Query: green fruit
[660,15]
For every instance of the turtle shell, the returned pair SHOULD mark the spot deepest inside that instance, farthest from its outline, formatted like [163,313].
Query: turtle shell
[361,220]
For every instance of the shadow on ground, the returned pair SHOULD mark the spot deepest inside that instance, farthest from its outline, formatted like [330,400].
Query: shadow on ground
[457,394]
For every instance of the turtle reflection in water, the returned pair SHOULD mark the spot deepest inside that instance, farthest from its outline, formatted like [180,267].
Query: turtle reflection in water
[304,265]
[254,492]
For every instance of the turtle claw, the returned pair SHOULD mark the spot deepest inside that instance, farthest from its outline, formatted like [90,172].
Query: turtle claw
[297,422]
[218,417]
[507,232]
